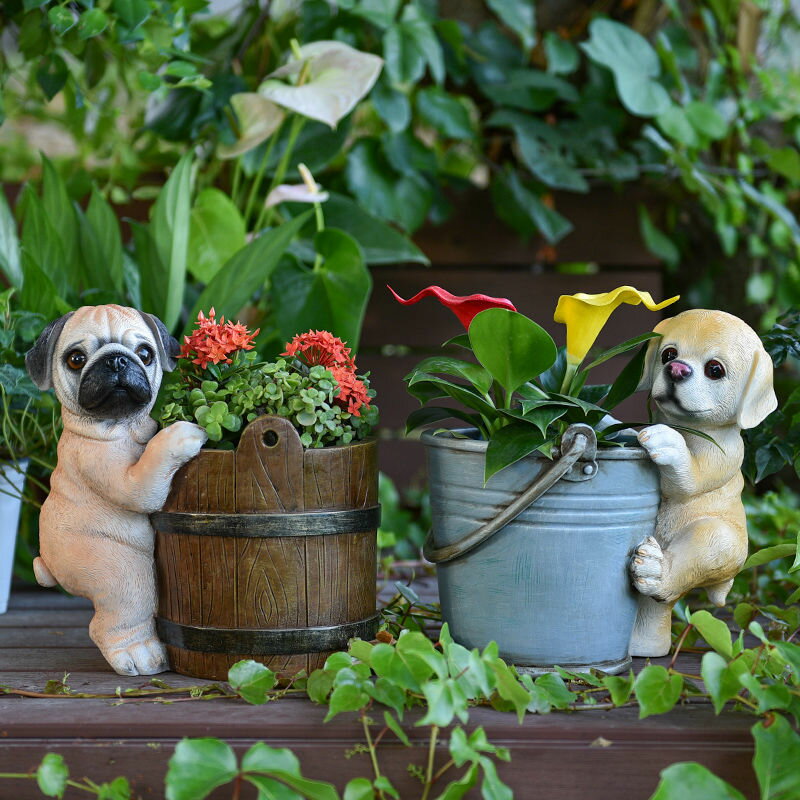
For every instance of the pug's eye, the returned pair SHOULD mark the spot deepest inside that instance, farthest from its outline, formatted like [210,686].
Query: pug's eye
[145,353]
[714,370]
[669,354]
[76,360]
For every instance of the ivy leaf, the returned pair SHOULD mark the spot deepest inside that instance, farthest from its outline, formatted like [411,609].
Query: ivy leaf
[767,554]
[656,690]
[261,763]
[620,688]
[714,631]
[776,759]
[721,678]
[197,767]
[52,775]
[688,779]
[509,688]
[359,789]
[634,63]
[251,680]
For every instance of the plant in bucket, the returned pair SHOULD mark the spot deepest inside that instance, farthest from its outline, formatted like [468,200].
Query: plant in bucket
[540,503]
[265,548]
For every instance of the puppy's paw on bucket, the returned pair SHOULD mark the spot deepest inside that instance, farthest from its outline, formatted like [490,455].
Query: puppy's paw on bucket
[664,445]
[648,568]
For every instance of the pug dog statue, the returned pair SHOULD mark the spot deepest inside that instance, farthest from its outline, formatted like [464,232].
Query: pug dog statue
[95,539]
[708,371]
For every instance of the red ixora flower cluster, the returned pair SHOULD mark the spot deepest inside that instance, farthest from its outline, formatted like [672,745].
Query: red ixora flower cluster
[213,342]
[321,348]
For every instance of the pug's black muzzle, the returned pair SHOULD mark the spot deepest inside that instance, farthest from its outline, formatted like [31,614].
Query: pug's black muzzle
[114,387]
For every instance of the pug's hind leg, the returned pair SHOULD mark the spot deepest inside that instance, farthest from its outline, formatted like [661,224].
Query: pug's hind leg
[132,650]
[652,632]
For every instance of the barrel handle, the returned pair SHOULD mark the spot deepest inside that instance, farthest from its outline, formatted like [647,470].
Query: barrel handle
[578,441]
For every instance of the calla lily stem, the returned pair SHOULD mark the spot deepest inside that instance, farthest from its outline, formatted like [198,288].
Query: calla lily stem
[297,125]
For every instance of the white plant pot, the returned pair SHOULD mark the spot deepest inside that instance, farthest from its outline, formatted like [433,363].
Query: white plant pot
[12,480]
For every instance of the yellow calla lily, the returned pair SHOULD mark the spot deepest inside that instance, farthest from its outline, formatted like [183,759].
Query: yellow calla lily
[586,314]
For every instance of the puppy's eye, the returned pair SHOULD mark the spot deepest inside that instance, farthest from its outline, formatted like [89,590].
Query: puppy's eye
[669,354]
[714,370]
[76,360]
[145,353]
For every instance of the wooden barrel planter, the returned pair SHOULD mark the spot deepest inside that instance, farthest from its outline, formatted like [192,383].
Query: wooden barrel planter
[268,552]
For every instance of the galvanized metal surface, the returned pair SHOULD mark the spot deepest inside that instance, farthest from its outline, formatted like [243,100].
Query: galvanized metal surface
[552,586]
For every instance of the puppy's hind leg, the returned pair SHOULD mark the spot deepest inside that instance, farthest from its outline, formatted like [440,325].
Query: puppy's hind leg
[43,575]
[652,632]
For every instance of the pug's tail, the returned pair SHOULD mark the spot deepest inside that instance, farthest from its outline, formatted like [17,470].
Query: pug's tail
[43,575]
[718,593]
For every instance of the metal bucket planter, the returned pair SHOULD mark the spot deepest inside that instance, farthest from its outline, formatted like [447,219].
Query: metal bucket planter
[268,552]
[537,560]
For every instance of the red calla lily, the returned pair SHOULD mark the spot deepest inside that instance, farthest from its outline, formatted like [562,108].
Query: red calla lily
[465,308]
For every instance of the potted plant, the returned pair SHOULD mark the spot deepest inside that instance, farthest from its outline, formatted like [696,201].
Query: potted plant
[538,504]
[28,429]
[266,546]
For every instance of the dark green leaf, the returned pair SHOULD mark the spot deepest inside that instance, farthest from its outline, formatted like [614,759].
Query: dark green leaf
[519,16]
[562,56]
[132,12]
[622,348]
[9,245]
[628,380]
[426,416]
[216,234]
[92,23]
[392,106]
[422,34]
[509,445]
[52,74]
[464,394]
[247,271]
[445,112]
[658,243]
[473,373]
[105,226]
[405,62]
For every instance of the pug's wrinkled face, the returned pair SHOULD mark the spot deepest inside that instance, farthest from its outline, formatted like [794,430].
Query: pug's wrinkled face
[104,362]
[709,367]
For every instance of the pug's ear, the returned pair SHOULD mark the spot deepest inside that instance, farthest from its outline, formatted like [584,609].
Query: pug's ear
[168,347]
[758,399]
[653,346]
[39,359]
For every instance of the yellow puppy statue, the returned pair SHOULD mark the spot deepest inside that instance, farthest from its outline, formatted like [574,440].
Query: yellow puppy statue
[708,371]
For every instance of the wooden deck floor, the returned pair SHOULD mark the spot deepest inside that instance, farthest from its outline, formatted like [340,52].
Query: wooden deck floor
[44,635]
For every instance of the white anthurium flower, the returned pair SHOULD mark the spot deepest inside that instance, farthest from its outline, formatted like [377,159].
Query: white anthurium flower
[306,192]
[336,77]
[258,120]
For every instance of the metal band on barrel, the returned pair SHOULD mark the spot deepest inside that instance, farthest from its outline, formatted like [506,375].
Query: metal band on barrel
[302,523]
[291,641]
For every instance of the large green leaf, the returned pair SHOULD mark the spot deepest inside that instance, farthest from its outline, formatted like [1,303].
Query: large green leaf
[425,387]
[634,63]
[513,348]
[776,759]
[216,233]
[332,297]
[690,780]
[106,230]
[42,242]
[622,348]
[380,243]
[426,416]
[170,231]
[149,273]
[474,373]
[245,273]
[58,209]
[627,381]
[509,445]
[9,245]
[197,767]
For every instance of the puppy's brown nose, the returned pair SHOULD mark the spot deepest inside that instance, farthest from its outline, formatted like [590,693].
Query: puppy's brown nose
[678,370]
[117,363]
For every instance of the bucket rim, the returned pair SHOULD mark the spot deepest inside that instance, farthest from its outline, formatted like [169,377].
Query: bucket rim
[473,445]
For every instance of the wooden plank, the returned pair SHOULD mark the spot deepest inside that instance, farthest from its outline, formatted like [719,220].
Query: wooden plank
[45,618]
[53,659]
[50,636]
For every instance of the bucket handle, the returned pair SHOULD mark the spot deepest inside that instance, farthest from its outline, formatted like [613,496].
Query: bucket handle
[579,441]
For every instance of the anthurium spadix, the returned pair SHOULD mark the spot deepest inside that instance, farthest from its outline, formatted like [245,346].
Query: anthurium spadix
[334,75]
[257,118]
[586,314]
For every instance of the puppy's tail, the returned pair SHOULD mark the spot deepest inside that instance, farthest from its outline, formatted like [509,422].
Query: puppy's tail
[43,575]
[718,593]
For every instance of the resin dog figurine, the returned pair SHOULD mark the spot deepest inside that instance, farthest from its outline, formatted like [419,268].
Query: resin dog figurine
[708,371]
[95,539]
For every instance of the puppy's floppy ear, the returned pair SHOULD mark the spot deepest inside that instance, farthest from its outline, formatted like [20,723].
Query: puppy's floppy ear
[39,359]
[653,346]
[168,347]
[758,398]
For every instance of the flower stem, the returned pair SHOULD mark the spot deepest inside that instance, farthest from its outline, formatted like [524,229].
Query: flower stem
[297,126]
[256,185]
[372,751]
[431,755]
[568,376]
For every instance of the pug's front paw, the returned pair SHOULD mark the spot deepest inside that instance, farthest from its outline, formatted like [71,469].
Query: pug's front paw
[183,440]
[664,445]
[649,569]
